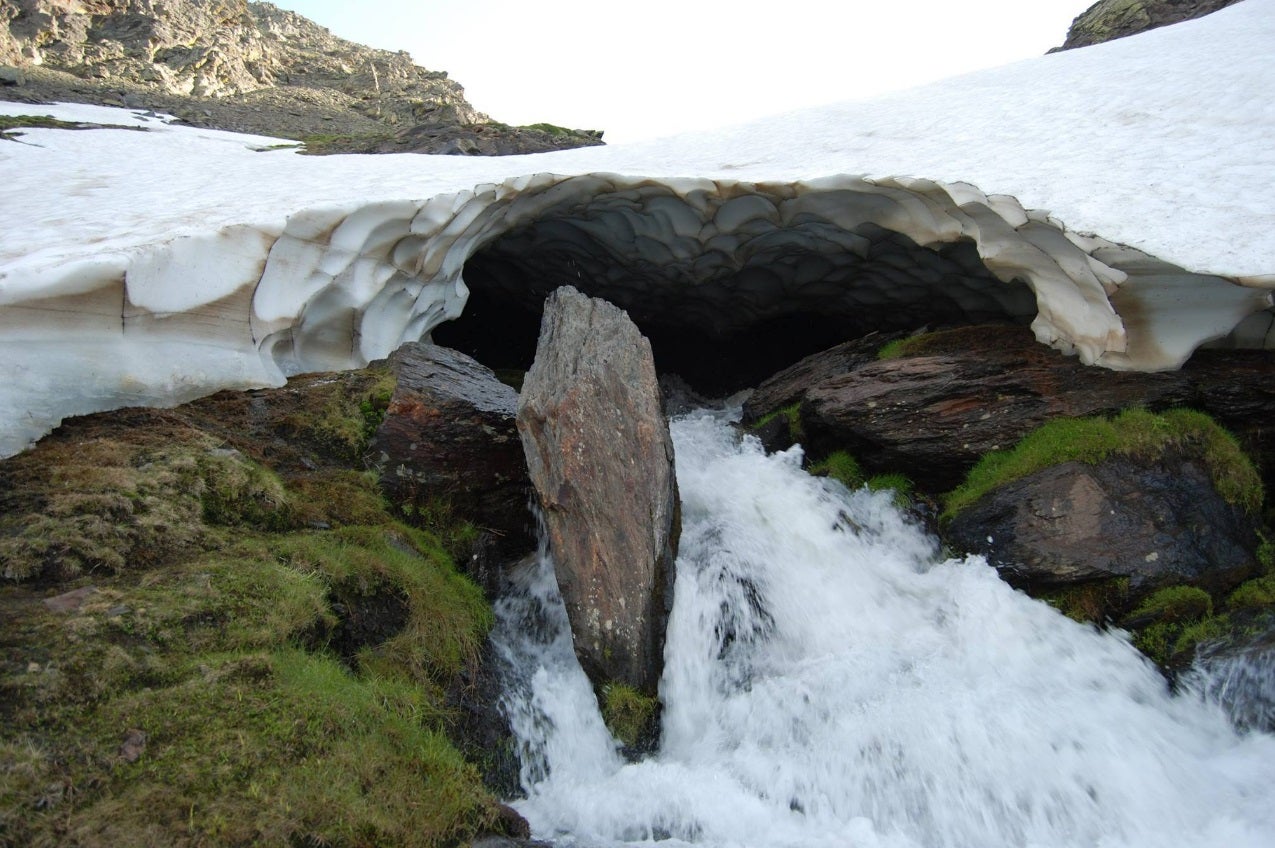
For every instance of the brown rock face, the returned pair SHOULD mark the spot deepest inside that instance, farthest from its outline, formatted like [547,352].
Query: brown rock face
[1154,523]
[449,442]
[932,416]
[250,67]
[601,458]
[976,389]
[1111,19]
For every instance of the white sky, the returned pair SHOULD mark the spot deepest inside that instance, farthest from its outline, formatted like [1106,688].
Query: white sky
[661,67]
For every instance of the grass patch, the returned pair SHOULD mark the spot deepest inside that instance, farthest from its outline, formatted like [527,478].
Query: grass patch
[845,469]
[898,483]
[840,466]
[1089,602]
[1134,432]
[627,712]
[791,414]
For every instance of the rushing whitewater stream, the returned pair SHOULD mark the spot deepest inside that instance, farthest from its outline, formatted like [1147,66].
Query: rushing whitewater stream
[832,680]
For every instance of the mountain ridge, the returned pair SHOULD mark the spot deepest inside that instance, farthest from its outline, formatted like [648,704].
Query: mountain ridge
[250,67]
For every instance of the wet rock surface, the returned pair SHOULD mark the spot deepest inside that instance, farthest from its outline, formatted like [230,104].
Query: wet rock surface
[931,414]
[601,459]
[1155,523]
[790,385]
[448,443]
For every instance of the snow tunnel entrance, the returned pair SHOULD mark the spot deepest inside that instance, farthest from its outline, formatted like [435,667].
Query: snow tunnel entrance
[723,310]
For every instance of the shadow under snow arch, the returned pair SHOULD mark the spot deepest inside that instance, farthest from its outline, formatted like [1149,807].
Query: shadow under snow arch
[715,262]
[733,280]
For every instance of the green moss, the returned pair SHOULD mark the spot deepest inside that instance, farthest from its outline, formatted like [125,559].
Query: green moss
[101,504]
[1090,602]
[449,617]
[924,343]
[790,413]
[337,497]
[208,625]
[1155,642]
[1254,594]
[1173,644]
[338,423]
[1266,554]
[279,747]
[255,735]
[1178,618]
[1175,604]
[840,466]
[627,712]
[1205,630]
[1134,432]
[237,490]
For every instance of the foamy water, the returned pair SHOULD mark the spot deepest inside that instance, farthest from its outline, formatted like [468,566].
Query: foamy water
[832,680]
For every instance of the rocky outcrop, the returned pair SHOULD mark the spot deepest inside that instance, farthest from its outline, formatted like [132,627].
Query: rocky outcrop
[448,446]
[790,385]
[1155,523]
[601,459]
[221,48]
[250,67]
[931,414]
[1110,19]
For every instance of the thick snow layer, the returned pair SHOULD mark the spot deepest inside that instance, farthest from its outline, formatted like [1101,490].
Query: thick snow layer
[149,267]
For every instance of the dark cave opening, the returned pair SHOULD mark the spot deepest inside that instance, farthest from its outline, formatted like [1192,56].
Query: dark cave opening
[724,320]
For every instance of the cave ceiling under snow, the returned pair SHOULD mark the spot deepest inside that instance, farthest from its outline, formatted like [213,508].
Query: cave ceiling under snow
[1116,198]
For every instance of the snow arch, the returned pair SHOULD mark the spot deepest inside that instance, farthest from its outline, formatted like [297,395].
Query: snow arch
[335,288]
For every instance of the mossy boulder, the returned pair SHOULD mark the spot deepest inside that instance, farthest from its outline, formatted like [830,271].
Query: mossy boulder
[217,632]
[1148,500]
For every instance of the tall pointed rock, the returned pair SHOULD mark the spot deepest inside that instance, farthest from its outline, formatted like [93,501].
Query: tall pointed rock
[601,459]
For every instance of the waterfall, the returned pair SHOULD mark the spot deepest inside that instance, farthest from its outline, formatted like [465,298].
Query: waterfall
[832,679]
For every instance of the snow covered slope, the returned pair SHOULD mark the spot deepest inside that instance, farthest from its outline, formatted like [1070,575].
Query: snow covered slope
[149,268]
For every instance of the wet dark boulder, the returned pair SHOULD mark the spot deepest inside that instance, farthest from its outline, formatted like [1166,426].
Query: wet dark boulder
[448,447]
[601,459]
[1153,523]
